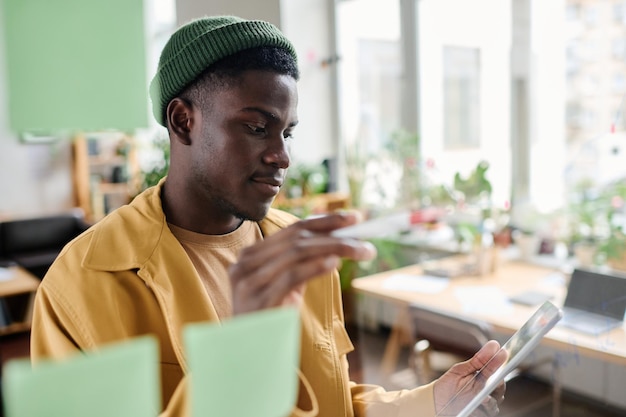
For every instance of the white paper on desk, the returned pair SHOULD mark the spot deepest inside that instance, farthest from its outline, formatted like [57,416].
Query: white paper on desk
[486,299]
[417,283]
[553,279]
[6,274]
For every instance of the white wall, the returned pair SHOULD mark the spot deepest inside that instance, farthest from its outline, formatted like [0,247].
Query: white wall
[268,10]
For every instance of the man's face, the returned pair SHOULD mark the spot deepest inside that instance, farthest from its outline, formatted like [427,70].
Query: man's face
[239,161]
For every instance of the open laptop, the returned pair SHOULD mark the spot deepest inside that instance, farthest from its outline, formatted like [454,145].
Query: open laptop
[595,302]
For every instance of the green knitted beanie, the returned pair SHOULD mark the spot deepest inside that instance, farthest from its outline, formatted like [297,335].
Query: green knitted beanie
[200,43]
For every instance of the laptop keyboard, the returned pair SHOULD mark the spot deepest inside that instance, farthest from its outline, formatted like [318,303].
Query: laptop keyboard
[587,322]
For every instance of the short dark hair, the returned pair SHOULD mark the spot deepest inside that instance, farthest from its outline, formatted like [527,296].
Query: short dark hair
[227,71]
[264,58]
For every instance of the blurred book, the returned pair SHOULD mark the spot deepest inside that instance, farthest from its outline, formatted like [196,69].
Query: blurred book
[5,314]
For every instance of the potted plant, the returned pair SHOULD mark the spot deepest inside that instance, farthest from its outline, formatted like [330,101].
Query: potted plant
[404,151]
[160,164]
[586,216]
[612,249]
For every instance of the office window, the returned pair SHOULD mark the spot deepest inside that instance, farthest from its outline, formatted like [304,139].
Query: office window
[461,91]
[376,74]
[568,57]
[572,115]
[572,12]
[572,58]
[619,13]
[370,71]
[370,80]
[618,83]
[618,48]
[591,49]
[591,15]
[379,87]
[591,84]
[588,119]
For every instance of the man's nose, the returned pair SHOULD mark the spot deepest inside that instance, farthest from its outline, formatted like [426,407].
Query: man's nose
[278,153]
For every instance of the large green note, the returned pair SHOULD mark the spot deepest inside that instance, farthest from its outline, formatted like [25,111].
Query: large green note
[246,366]
[75,64]
[120,380]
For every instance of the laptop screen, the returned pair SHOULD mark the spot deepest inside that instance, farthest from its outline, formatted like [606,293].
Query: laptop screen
[598,293]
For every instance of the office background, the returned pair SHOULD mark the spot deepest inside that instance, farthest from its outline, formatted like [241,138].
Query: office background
[537,87]
[539,95]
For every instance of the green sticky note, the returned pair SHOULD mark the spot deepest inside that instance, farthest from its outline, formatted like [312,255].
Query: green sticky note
[120,380]
[246,366]
[75,64]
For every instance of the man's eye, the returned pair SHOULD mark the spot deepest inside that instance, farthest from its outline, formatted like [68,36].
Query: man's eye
[257,129]
[288,135]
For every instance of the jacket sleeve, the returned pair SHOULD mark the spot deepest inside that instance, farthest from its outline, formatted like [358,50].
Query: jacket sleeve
[374,401]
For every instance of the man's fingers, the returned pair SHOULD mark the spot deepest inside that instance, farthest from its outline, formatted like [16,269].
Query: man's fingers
[280,278]
[322,252]
[490,357]
[329,222]
[489,408]
[300,242]
[498,392]
[485,354]
[270,271]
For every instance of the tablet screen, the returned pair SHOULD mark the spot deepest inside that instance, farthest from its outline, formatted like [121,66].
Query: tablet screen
[510,355]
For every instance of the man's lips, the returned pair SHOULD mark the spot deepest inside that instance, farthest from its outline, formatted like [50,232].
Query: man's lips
[268,185]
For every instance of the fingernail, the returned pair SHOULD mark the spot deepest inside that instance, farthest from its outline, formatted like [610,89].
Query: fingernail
[332,262]
[370,250]
[352,213]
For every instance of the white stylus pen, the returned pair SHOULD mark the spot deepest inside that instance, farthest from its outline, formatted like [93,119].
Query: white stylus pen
[389,224]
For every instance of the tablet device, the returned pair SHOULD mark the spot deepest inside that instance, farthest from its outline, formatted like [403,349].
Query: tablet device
[511,354]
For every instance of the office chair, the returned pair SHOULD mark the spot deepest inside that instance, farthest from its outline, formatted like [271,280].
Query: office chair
[443,339]
[35,242]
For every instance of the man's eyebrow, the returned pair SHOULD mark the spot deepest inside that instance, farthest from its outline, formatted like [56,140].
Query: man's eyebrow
[267,114]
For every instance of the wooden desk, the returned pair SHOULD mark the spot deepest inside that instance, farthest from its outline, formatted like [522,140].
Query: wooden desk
[511,278]
[17,290]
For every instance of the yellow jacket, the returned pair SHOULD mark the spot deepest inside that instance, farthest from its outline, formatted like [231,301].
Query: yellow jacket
[128,276]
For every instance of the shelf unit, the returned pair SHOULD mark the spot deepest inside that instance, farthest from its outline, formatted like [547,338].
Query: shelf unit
[106,172]
[313,204]
[17,293]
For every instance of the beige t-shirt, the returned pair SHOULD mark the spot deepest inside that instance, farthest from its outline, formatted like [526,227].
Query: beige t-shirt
[212,255]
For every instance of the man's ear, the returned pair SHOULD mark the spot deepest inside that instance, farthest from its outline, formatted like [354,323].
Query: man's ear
[180,119]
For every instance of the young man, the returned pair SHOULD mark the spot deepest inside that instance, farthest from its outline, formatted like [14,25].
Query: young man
[204,244]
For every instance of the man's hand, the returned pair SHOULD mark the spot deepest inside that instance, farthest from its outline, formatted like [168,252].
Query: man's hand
[460,377]
[274,272]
